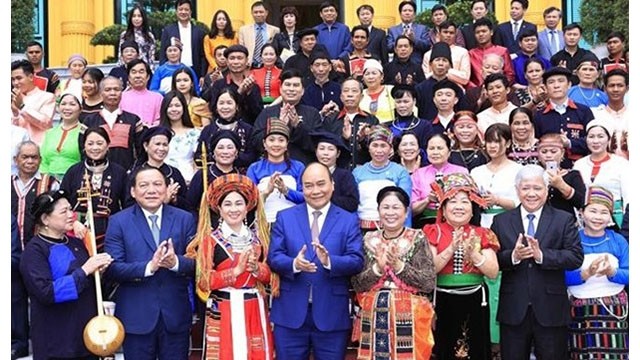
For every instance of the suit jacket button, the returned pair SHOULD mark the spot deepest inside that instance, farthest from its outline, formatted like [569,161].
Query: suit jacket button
[530,265]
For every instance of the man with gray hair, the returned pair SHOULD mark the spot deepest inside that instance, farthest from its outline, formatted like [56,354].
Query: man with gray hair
[537,244]
[477,97]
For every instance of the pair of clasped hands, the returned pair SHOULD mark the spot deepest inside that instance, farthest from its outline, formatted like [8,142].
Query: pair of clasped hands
[527,247]
[387,256]
[305,265]
[164,256]
[247,261]
[600,266]
[289,115]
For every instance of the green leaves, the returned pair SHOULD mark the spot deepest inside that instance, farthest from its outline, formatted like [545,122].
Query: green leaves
[600,17]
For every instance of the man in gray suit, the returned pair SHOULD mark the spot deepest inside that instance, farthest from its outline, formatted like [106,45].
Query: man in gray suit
[550,40]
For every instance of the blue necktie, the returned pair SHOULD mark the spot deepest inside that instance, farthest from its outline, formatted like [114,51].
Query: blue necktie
[257,51]
[530,229]
[155,229]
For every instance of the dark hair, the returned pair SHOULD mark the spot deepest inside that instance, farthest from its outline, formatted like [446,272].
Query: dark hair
[524,3]
[446,24]
[183,70]
[268,45]
[496,77]
[484,2]
[403,37]
[97,130]
[326,4]
[482,22]
[45,203]
[615,34]
[257,4]
[23,64]
[396,191]
[164,106]
[135,62]
[129,34]
[95,74]
[141,168]
[288,10]
[528,32]
[549,10]
[617,72]
[33,43]
[533,60]
[398,139]
[497,132]
[476,210]
[182,2]
[291,73]
[234,95]
[443,136]
[439,7]
[458,115]
[364,7]
[406,2]
[572,26]
[78,101]
[520,110]
[221,46]
[399,91]
[360,28]
[227,32]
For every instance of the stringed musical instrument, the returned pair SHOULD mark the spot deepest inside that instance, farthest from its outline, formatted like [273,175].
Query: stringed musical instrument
[103,334]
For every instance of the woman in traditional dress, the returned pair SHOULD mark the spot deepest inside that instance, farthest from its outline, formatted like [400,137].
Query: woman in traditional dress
[232,274]
[59,149]
[524,145]
[599,302]
[56,271]
[463,254]
[467,149]
[138,30]
[605,169]
[376,98]
[108,184]
[92,100]
[183,82]
[267,76]
[395,315]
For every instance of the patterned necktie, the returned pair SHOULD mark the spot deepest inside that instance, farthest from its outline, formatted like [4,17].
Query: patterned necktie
[259,44]
[530,230]
[155,229]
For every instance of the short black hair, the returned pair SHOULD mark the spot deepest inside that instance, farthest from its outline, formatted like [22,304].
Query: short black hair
[439,7]
[528,32]
[399,91]
[361,28]
[326,4]
[484,2]
[33,43]
[259,3]
[441,135]
[139,169]
[182,2]
[135,62]
[572,26]
[521,110]
[397,191]
[497,132]
[45,203]
[364,7]
[406,2]
[447,24]
[616,34]
[616,72]
[102,132]
[496,77]
[549,10]
[23,64]
[403,37]
[291,73]
[482,22]
[525,3]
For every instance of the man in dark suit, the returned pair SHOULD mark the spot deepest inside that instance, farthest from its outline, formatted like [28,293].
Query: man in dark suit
[315,248]
[191,37]
[479,10]
[537,244]
[377,37]
[417,33]
[510,30]
[147,241]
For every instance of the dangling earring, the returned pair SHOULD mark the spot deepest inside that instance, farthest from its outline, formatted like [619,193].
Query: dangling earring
[220,221]
[245,222]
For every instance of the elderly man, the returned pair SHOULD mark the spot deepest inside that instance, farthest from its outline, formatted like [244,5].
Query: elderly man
[537,244]
[31,107]
[315,248]
[483,29]
[460,69]
[147,241]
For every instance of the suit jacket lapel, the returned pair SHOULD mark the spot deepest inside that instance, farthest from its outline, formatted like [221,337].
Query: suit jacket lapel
[516,223]
[167,224]
[329,221]
[546,217]
[305,230]
[142,225]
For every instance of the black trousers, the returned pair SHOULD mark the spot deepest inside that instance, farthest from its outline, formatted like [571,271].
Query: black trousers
[19,314]
[550,342]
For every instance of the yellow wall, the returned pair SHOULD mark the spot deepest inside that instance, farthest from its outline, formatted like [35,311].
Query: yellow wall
[533,14]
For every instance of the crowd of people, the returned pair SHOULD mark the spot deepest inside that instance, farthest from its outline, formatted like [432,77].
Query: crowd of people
[456,192]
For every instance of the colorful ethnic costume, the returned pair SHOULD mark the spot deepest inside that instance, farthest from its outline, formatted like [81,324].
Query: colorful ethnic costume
[395,317]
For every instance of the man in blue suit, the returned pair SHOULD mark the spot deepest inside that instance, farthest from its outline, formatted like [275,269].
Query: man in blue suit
[146,241]
[315,248]
[510,30]
[191,37]
[550,40]
[417,33]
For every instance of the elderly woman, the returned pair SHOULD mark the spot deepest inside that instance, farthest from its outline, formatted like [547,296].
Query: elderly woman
[463,254]
[376,174]
[233,274]
[56,271]
[377,99]
[423,201]
[566,188]
[599,302]
[605,169]
[392,289]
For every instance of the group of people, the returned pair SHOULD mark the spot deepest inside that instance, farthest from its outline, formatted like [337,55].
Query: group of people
[300,193]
